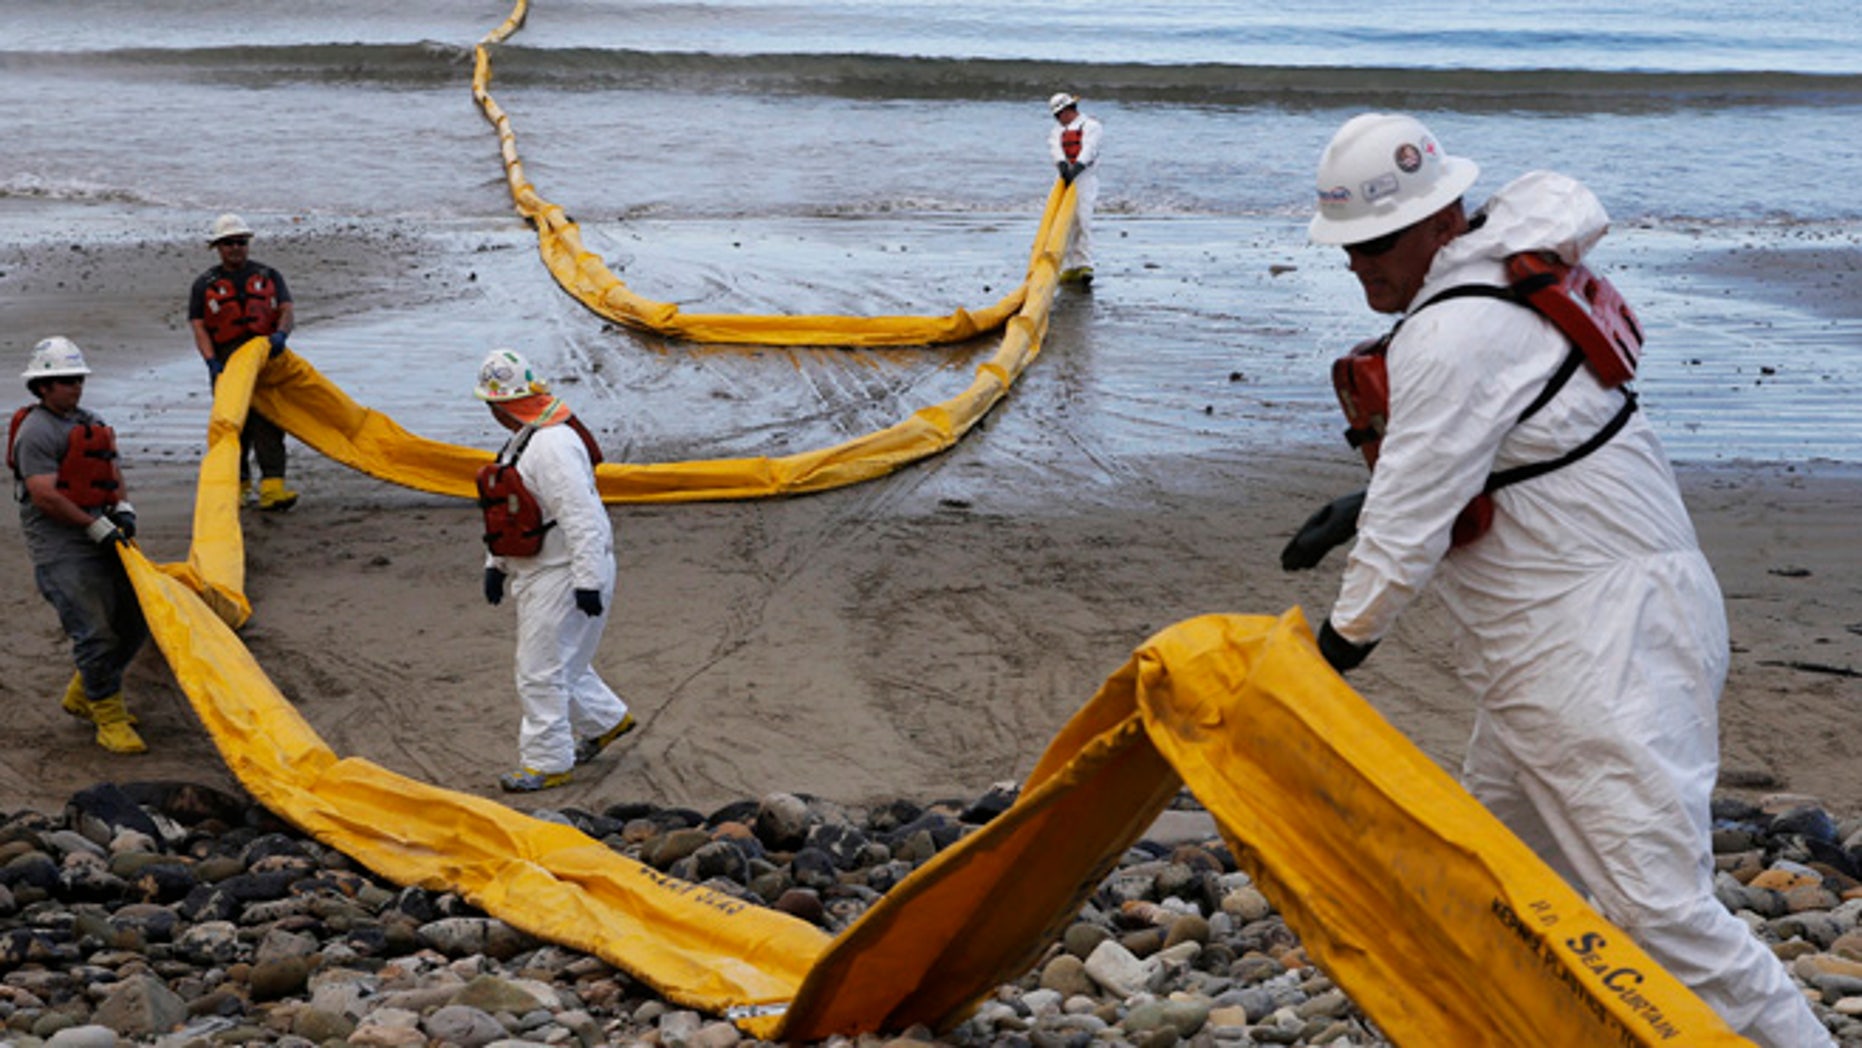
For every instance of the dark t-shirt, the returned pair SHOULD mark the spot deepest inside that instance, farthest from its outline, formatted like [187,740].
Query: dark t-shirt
[197,301]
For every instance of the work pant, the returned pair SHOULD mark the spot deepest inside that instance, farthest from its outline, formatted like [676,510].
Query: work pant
[1085,195]
[1612,787]
[98,609]
[261,439]
[562,697]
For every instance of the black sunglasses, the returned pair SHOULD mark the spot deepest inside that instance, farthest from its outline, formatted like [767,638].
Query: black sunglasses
[66,380]
[1377,245]
[233,241]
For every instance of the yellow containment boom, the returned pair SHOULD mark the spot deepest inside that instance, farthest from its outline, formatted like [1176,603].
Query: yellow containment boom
[293,394]
[584,275]
[1441,925]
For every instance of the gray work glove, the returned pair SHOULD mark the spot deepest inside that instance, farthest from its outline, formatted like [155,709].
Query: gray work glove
[494,586]
[1334,525]
[103,530]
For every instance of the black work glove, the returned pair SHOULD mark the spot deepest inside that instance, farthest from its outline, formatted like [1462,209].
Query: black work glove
[589,601]
[278,338]
[1341,653]
[1075,170]
[494,586]
[123,515]
[1333,525]
[1066,171]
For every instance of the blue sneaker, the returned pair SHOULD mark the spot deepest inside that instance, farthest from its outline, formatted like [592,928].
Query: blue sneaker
[588,749]
[530,780]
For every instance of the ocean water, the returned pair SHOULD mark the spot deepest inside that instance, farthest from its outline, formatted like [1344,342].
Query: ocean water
[833,156]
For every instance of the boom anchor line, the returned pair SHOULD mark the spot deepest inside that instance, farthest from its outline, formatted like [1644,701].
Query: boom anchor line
[1441,925]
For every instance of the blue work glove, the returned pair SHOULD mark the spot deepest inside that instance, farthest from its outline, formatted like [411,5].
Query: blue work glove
[278,338]
[1334,525]
[494,586]
[123,515]
[1341,653]
[214,366]
[1066,171]
[589,601]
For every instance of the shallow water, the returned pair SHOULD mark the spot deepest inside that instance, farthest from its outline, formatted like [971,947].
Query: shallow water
[821,156]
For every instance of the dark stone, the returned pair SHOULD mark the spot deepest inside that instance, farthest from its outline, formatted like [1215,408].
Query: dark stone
[33,869]
[416,903]
[802,903]
[596,826]
[944,831]
[188,803]
[890,816]
[259,887]
[208,903]
[107,804]
[275,844]
[814,868]
[163,882]
[743,811]
[841,842]
[721,859]
[627,812]
[996,800]
[1809,822]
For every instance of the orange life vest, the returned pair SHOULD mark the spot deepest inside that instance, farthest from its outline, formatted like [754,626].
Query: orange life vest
[1071,139]
[514,524]
[239,309]
[88,473]
[1585,308]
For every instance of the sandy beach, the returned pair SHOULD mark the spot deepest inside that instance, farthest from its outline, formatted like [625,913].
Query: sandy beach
[920,636]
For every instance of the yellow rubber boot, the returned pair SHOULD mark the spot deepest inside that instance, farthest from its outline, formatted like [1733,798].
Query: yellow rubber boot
[78,706]
[273,495]
[114,730]
[75,703]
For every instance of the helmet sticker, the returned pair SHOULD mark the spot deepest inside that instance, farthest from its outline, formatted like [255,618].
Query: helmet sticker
[1408,158]
[1378,188]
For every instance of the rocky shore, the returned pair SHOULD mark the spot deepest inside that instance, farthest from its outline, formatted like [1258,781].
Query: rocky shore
[177,915]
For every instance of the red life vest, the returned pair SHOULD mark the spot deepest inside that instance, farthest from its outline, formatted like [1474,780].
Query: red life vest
[1585,308]
[1071,138]
[239,309]
[514,524]
[88,473]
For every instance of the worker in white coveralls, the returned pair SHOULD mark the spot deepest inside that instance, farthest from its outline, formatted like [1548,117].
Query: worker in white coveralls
[1074,146]
[548,534]
[1592,631]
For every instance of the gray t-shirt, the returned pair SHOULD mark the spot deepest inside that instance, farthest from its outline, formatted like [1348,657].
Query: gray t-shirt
[38,448]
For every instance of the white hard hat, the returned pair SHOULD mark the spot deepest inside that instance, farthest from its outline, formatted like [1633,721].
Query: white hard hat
[506,375]
[1380,173]
[228,225]
[1060,102]
[55,357]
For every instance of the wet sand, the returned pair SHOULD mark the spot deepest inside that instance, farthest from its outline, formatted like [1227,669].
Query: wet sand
[919,636]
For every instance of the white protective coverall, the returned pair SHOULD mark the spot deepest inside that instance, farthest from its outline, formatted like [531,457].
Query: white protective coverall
[1591,626]
[562,696]
[1085,185]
